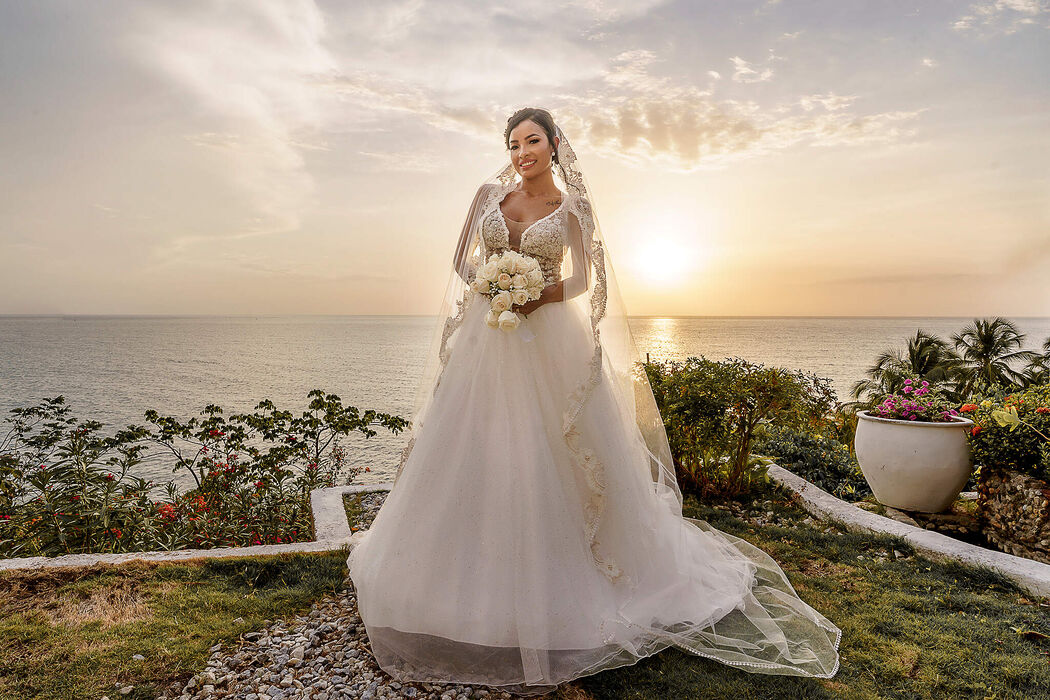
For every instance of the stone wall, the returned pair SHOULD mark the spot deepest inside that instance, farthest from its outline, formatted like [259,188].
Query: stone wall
[1015,512]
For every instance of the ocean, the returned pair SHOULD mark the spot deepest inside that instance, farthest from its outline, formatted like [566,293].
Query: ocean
[114,368]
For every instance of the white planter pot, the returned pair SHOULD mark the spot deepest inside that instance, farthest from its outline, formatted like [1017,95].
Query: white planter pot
[913,465]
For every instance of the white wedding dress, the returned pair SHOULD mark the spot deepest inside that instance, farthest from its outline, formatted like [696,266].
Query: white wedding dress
[487,563]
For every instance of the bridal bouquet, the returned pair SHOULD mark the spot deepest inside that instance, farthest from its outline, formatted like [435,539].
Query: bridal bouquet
[510,279]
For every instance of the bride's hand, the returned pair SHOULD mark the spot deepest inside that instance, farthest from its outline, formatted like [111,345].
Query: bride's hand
[551,292]
[529,306]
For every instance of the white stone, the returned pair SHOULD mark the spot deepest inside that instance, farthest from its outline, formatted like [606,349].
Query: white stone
[1030,575]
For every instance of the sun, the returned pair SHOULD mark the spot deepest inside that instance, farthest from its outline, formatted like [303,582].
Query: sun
[663,261]
[670,252]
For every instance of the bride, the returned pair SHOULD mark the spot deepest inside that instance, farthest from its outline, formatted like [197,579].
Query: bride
[535,533]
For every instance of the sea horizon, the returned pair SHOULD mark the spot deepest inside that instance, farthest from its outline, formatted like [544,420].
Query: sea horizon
[114,367]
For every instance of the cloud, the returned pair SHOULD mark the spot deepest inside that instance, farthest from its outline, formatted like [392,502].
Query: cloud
[383,94]
[831,102]
[248,68]
[643,117]
[744,73]
[1025,257]
[1003,16]
[617,10]
[1030,255]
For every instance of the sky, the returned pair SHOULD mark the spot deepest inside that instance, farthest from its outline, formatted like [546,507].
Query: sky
[746,157]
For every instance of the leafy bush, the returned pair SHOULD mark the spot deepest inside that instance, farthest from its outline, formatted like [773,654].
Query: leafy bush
[822,460]
[67,488]
[1011,431]
[712,412]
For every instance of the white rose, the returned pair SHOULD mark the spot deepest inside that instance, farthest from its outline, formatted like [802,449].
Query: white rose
[520,297]
[481,286]
[508,320]
[501,302]
[518,281]
[492,319]
[503,280]
[535,276]
[534,291]
[488,271]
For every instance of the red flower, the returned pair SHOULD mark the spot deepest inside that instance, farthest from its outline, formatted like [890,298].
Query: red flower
[975,429]
[1042,409]
[968,408]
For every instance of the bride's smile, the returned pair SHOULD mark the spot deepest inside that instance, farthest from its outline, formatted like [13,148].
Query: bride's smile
[532,152]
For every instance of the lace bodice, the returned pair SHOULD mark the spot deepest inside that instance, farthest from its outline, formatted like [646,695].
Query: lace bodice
[543,239]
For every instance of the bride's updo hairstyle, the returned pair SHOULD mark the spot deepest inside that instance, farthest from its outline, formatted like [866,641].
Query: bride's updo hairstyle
[535,114]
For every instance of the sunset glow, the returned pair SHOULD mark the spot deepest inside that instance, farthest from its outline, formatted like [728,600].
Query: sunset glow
[746,158]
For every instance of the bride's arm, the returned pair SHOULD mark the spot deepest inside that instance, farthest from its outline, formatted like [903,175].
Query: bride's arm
[575,284]
[580,253]
[463,261]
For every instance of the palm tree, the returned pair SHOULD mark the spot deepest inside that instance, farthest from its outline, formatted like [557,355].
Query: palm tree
[987,347]
[1038,370]
[926,356]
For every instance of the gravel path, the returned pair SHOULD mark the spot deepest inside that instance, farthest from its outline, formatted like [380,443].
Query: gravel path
[370,504]
[323,655]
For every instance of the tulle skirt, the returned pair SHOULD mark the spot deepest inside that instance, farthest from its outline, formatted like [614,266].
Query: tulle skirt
[479,568]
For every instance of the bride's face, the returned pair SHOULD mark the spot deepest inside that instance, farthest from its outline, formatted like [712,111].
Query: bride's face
[531,152]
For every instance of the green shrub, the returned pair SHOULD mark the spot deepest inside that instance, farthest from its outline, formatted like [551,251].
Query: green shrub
[66,488]
[821,460]
[712,412]
[1012,431]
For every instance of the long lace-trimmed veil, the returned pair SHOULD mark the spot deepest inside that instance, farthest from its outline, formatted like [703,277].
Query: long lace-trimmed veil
[771,630]
[614,346]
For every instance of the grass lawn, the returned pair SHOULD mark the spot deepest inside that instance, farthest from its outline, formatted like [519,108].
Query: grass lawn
[912,628]
[72,633]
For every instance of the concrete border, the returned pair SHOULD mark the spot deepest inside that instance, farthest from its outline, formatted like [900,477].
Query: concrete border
[1032,576]
[333,532]
[330,527]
